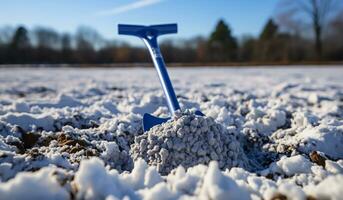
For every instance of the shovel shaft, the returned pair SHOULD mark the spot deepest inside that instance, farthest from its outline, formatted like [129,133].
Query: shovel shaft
[161,69]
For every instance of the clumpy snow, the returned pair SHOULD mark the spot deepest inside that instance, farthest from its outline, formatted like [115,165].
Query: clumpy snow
[330,188]
[188,140]
[294,165]
[42,184]
[93,181]
[28,121]
[77,134]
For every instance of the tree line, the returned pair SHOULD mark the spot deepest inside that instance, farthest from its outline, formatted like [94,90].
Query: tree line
[285,38]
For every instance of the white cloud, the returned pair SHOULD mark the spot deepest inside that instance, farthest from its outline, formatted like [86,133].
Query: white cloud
[128,7]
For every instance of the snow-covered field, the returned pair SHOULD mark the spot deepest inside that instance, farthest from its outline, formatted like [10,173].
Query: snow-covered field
[69,134]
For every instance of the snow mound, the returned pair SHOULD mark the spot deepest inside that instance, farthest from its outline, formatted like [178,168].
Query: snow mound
[188,140]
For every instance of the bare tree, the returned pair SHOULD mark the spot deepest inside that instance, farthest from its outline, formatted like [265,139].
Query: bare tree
[316,12]
[88,41]
[46,38]
[334,38]
[288,22]
[6,34]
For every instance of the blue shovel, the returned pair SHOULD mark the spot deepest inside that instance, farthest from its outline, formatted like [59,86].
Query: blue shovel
[149,36]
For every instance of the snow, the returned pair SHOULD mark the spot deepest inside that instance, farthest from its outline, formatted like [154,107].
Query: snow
[69,133]
[294,165]
[217,186]
[333,167]
[37,185]
[93,181]
[29,121]
[292,191]
[329,188]
[318,137]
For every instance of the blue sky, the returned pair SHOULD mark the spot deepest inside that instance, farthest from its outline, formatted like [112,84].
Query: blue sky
[194,17]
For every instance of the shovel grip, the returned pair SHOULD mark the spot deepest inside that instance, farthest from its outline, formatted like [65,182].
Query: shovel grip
[146,31]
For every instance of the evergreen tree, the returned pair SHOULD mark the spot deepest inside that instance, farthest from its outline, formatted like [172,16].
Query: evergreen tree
[246,51]
[270,30]
[222,45]
[273,46]
[20,39]
[66,49]
[2,53]
[19,48]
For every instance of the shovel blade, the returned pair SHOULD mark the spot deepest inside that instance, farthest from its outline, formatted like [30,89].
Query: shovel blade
[150,121]
[199,113]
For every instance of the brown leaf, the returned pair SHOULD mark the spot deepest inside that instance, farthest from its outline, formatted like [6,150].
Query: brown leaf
[317,158]
[29,139]
[279,196]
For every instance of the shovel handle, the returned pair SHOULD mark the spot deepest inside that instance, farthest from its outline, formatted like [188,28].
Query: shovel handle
[149,35]
[162,72]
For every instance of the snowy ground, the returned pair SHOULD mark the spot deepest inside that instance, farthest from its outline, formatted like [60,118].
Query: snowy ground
[67,133]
